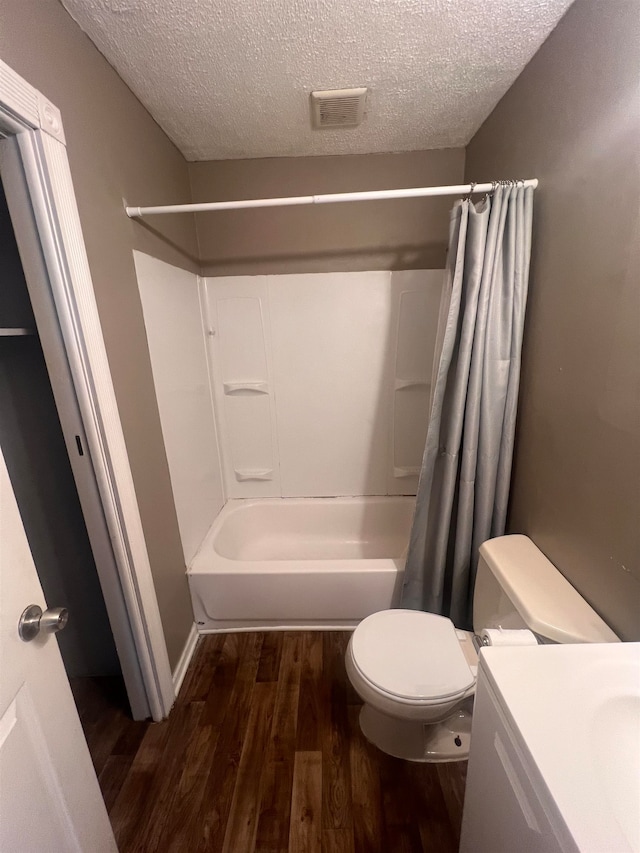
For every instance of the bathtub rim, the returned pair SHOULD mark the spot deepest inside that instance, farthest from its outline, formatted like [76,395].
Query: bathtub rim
[199,564]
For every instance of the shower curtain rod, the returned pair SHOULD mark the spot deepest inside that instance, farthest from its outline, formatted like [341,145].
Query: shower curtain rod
[327,198]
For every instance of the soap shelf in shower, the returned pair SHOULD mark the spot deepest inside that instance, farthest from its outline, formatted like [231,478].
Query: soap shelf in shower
[408,471]
[253,387]
[244,474]
[410,383]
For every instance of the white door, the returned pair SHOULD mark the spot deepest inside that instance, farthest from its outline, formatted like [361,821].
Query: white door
[50,801]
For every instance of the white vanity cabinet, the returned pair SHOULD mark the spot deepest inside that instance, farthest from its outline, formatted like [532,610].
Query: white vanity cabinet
[555,751]
[502,810]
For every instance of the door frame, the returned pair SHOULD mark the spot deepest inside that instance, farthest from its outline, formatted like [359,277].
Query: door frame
[123,568]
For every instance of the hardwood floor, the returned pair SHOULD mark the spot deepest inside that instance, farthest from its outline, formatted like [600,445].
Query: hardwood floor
[263,752]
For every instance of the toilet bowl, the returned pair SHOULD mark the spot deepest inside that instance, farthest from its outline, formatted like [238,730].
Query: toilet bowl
[417,704]
[416,673]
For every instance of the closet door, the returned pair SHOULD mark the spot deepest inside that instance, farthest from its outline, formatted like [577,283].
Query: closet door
[49,794]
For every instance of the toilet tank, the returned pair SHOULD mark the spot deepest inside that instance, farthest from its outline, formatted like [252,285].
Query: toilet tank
[518,587]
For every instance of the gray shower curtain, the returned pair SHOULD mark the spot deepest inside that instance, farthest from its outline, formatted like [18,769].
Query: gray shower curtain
[466,468]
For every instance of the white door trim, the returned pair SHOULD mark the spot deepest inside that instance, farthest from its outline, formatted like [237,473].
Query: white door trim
[37,124]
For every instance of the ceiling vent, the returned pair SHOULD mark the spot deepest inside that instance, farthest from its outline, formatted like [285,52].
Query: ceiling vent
[338,107]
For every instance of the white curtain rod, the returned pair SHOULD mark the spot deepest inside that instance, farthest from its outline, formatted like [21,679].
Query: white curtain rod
[328,198]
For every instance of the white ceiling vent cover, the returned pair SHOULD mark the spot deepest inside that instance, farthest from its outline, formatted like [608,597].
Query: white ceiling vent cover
[338,107]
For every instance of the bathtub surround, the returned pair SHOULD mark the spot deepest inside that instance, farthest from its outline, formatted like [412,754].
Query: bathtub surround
[321,385]
[173,323]
[573,119]
[322,381]
[466,469]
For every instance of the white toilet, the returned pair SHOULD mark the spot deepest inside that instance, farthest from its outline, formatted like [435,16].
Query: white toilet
[416,673]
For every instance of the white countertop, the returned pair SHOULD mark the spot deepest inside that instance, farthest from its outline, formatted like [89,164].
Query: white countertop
[575,710]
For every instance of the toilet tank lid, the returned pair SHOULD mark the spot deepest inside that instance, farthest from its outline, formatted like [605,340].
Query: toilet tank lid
[543,597]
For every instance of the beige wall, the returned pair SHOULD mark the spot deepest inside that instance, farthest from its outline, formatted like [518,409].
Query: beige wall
[572,120]
[338,237]
[116,149]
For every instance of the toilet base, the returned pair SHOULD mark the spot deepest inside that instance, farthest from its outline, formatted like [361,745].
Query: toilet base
[447,740]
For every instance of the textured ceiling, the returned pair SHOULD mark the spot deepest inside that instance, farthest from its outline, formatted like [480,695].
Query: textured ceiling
[232,79]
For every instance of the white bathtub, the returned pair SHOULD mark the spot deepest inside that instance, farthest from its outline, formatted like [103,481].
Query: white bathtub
[300,562]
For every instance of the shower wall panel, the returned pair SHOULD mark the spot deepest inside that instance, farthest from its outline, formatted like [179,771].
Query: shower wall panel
[239,339]
[173,323]
[322,381]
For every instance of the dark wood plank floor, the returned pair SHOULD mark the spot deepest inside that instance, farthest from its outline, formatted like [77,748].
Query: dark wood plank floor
[263,752]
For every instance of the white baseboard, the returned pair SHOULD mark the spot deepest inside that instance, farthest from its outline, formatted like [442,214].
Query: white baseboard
[185,659]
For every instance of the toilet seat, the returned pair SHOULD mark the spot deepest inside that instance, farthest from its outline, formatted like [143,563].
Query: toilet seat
[411,657]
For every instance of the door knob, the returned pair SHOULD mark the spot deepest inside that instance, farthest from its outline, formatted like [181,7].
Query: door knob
[33,620]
